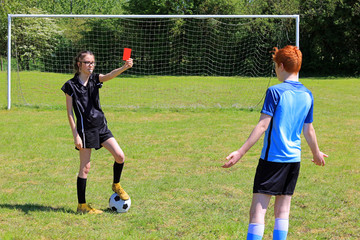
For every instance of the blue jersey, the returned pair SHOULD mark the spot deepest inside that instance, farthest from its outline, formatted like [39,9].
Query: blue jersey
[291,105]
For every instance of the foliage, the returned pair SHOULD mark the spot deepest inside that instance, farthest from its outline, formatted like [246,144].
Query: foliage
[79,6]
[180,7]
[6,6]
[329,32]
[270,7]
[34,38]
[179,29]
[330,37]
[48,31]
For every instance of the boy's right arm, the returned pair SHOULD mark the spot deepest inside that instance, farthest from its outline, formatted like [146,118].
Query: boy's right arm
[310,136]
[70,114]
[255,135]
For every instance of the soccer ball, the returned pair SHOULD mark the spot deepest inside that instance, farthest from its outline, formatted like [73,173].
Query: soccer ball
[119,205]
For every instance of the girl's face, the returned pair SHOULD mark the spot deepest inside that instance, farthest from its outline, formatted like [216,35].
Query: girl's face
[87,64]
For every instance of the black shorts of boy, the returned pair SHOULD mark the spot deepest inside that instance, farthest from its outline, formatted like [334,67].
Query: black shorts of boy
[95,137]
[275,178]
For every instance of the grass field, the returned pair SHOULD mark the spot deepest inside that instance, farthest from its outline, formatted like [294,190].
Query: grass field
[131,92]
[173,169]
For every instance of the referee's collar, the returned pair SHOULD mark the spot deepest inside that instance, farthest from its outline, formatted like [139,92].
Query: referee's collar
[78,81]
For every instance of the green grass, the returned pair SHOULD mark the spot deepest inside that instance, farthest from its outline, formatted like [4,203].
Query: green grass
[172,171]
[43,89]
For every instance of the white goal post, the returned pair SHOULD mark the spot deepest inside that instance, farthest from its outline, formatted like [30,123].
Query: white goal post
[13,16]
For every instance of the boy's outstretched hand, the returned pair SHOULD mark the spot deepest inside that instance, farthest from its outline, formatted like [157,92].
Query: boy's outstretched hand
[233,158]
[319,159]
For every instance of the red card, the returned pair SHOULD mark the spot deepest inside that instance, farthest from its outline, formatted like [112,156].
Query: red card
[127,53]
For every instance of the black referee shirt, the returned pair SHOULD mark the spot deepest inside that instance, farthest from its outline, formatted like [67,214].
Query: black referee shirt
[86,102]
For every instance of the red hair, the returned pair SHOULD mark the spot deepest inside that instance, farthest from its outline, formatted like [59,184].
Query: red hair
[289,56]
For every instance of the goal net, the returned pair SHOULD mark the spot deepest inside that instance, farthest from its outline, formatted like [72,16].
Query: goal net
[179,61]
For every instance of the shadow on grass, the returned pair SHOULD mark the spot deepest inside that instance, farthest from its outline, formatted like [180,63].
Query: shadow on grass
[26,208]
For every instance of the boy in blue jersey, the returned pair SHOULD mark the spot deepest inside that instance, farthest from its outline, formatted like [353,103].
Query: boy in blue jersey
[287,110]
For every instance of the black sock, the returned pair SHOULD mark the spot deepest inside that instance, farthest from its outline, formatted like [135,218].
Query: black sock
[118,167]
[81,187]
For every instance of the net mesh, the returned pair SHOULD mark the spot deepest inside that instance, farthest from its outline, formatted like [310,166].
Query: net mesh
[178,62]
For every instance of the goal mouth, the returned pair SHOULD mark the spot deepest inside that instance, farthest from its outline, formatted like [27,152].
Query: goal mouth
[212,61]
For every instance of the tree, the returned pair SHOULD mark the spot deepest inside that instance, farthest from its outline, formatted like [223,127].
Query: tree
[33,38]
[180,7]
[330,37]
[5,8]
[269,7]
[80,6]
[329,32]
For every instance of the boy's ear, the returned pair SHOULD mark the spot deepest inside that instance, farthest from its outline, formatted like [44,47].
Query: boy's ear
[281,66]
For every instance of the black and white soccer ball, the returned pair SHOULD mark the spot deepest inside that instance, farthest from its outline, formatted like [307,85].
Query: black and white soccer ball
[118,205]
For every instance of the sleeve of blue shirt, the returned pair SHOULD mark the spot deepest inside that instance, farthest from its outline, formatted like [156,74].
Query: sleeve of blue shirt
[270,102]
[309,117]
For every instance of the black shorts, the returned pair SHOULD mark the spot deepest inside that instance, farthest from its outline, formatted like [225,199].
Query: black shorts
[274,178]
[95,137]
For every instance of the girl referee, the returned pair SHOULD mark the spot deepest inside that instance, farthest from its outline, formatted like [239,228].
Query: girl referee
[90,130]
